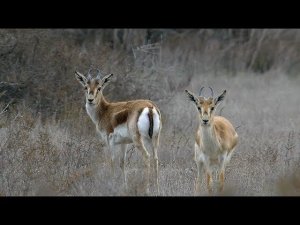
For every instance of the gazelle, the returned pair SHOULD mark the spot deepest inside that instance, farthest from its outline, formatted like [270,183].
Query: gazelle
[122,123]
[215,139]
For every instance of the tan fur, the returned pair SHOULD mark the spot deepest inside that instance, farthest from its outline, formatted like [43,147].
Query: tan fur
[197,138]
[215,140]
[113,114]
[225,133]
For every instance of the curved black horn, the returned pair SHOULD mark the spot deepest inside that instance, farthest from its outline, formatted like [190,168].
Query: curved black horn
[201,89]
[212,92]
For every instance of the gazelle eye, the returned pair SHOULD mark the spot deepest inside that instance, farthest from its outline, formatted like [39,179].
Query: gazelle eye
[99,88]
[212,108]
[199,108]
[85,88]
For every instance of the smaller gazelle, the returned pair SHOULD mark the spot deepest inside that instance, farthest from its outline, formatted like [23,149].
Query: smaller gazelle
[122,123]
[215,141]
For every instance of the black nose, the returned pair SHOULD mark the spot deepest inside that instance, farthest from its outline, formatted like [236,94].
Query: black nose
[205,121]
[90,100]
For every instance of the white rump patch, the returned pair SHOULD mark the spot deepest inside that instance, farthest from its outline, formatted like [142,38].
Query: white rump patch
[156,121]
[143,122]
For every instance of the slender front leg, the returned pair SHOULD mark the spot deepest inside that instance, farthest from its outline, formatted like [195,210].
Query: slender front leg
[123,162]
[209,181]
[111,150]
[221,178]
[208,171]
[198,179]
[198,159]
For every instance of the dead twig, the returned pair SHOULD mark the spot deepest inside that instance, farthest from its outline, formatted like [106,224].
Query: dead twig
[237,127]
[3,111]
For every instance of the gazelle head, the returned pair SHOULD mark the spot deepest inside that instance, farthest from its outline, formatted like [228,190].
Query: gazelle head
[206,106]
[93,86]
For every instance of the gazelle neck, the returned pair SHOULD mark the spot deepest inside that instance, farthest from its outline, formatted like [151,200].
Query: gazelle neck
[207,132]
[95,111]
[102,103]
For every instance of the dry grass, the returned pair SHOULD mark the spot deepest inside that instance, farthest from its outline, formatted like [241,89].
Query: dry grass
[49,145]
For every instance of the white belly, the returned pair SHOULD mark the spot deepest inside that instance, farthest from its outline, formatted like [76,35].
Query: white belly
[120,135]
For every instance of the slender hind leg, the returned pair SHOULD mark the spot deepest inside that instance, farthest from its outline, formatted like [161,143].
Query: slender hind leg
[139,144]
[209,181]
[229,155]
[221,175]
[225,159]
[221,178]
[155,142]
[123,162]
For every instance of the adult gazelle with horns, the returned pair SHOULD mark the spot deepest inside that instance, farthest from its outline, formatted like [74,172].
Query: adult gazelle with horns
[122,123]
[215,140]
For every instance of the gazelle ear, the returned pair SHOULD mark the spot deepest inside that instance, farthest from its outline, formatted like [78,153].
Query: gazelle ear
[220,98]
[106,79]
[81,78]
[191,96]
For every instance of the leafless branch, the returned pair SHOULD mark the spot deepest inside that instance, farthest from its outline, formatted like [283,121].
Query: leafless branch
[3,111]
